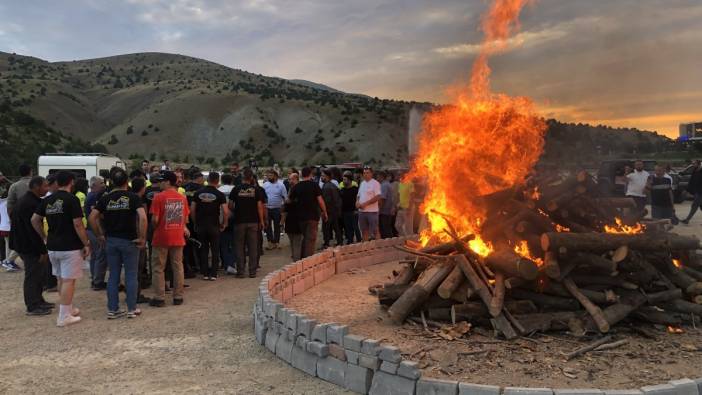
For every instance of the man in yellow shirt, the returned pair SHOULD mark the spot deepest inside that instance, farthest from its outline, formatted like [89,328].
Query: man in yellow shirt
[405,211]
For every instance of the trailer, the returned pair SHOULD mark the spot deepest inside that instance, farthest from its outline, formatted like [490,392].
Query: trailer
[83,165]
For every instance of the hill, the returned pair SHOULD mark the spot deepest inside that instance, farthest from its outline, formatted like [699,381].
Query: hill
[158,105]
[188,109]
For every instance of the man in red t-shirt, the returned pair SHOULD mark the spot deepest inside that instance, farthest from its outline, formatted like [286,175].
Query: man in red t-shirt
[169,214]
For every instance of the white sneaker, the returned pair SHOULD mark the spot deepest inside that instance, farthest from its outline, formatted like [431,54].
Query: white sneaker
[231,270]
[70,320]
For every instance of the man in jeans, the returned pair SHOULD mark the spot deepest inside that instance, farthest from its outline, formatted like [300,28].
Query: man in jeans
[123,235]
[209,214]
[367,203]
[246,203]
[332,201]
[309,204]
[226,237]
[289,219]
[169,215]
[349,190]
[31,248]
[387,209]
[694,187]
[276,194]
[67,242]
[98,263]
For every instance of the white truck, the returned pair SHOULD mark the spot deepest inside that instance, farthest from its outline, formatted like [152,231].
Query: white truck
[83,165]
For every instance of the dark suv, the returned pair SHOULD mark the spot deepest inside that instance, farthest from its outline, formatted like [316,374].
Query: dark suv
[611,174]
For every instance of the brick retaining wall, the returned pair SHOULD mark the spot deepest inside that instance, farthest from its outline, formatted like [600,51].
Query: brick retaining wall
[330,352]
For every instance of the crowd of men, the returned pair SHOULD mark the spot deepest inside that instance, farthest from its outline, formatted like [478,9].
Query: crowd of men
[155,227]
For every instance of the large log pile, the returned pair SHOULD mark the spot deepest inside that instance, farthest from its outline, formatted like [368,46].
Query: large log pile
[575,276]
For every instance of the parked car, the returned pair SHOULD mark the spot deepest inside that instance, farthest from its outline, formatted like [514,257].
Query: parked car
[611,177]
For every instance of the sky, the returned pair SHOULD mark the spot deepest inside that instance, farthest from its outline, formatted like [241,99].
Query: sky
[631,63]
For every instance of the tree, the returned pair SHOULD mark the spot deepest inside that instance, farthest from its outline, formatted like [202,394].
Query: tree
[113,140]
[130,129]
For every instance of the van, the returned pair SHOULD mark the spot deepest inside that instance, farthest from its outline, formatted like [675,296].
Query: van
[83,165]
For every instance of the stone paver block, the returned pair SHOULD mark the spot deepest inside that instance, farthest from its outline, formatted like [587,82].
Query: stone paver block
[358,379]
[283,349]
[390,354]
[301,342]
[320,349]
[305,327]
[337,352]
[685,387]
[271,340]
[411,370]
[319,333]
[305,361]
[331,370]
[527,391]
[577,391]
[336,333]
[353,342]
[283,315]
[389,367]
[660,389]
[437,387]
[292,321]
[623,392]
[389,384]
[699,384]
[260,330]
[477,389]
[370,347]
[352,357]
[290,334]
[368,361]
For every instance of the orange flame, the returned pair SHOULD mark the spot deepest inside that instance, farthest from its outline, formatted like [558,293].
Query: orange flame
[677,263]
[621,228]
[482,143]
[561,228]
[522,249]
[675,330]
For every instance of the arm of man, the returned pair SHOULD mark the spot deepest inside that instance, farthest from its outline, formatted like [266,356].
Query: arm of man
[261,214]
[225,216]
[95,225]
[141,230]
[322,207]
[11,198]
[193,207]
[80,230]
[38,225]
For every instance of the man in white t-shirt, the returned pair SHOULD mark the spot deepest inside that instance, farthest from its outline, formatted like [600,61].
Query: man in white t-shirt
[367,203]
[636,183]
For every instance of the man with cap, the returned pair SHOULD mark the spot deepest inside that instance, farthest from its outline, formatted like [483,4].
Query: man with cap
[169,215]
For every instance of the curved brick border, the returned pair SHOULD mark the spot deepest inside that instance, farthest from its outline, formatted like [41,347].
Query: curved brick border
[330,352]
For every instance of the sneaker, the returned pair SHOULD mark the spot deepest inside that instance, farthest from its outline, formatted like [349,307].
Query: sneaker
[231,270]
[99,287]
[270,246]
[240,275]
[69,320]
[38,311]
[206,278]
[134,313]
[142,299]
[685,221]
[252,275]
[177,302]
[10,266]
[213,278]
[14,266]
[186,285]
[52,289]
[157,303]
[47,305]
[111,315]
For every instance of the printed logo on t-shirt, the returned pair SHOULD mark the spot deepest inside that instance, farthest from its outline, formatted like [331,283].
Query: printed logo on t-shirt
[174,213]
[150,195]
[55,207]
[247,193]
[207,197]
[120,204]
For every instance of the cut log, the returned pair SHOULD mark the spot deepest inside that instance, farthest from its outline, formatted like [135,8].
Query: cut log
[696,274]
[603,242]
[544,322]
[388,294]
[546,301]
[620,254]
[664,296]
[629,302]
[584,279]
[598,297]
[445,248]
[517,282]
[551,267]
[597,262]
[682,306]
[405,275]
[463,294]
[657,316]
[590,307]
[472,311]
[617,202]
[498,296]
[420,291]
[512,265]
[452,282]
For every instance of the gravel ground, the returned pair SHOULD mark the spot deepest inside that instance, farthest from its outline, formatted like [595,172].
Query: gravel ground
[206,345]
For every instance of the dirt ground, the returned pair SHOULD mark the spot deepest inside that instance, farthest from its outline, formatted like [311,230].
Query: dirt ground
[535,362]
[206,345]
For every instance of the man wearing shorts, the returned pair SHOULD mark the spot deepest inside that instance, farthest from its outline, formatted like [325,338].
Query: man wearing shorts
[367,204]
[67,242]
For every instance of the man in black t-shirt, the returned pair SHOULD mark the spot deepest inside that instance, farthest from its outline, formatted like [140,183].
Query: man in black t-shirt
[31,248]
[246,202]
[195,181]
[308,201]
[209,215]
[67,242]
[661,188]
[123,232]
